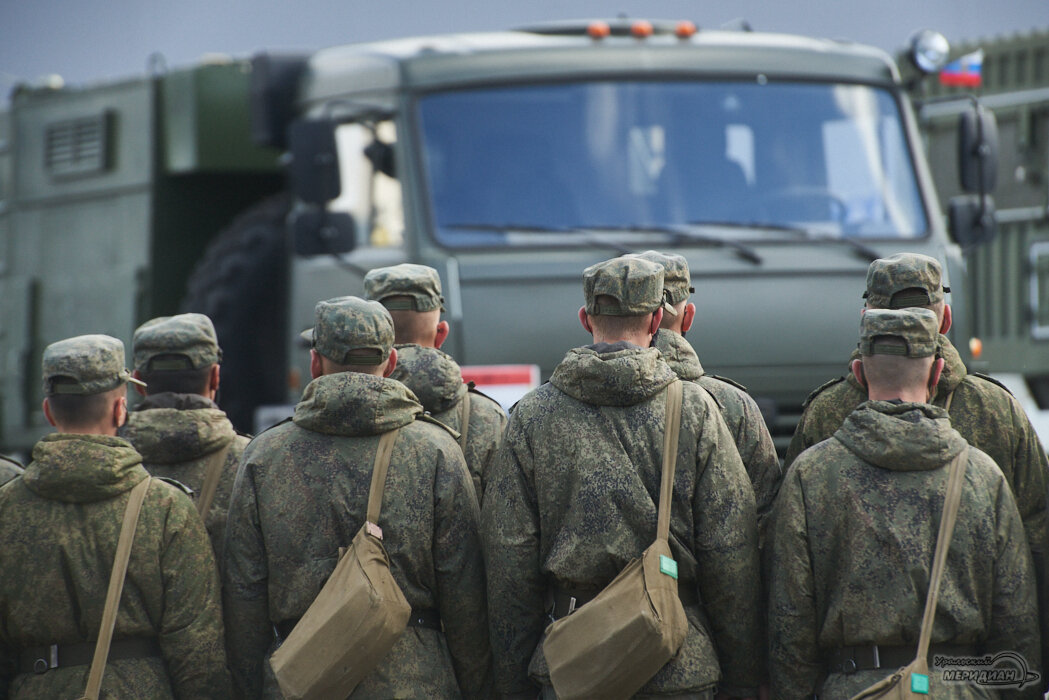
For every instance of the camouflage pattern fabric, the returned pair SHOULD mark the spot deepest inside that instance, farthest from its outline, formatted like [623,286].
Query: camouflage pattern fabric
[676,278]
[59,526]
[86,364]
[175,434]
[420,282]
[571,499]
[301,493]
[851,547]
[350,323]
[635,285]
[9,469]
[918,329]
[190,335]
[437,381]
[985,414]
[904,280]
[742,416]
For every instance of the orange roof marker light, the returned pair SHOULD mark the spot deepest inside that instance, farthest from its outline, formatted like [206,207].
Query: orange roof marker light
[598,30]
[975,348]
[641,29]
[685,29]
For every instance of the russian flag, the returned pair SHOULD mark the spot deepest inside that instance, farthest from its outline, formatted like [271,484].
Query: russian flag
[963,71]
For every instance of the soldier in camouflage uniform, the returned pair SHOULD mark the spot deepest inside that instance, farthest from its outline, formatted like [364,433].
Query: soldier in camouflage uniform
[740,412]
[412,294]
[854,530]
[178,429]
[984,412]
[9,469]
[59,525]
[572,499]
[301,494]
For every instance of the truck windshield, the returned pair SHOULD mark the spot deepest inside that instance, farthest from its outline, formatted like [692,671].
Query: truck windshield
[755,160]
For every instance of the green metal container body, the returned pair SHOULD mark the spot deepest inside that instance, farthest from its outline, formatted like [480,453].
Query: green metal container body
[1007,287]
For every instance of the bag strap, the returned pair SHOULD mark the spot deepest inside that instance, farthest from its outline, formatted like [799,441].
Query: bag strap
[212,473]
[382,465]
[943,542]
[116,587]
[672,429]
[947,403]
[464,420]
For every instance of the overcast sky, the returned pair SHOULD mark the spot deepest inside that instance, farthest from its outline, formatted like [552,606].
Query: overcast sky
[90,40]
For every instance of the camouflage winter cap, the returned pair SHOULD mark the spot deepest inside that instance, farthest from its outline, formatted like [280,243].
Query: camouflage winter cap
[86,364]
[904,280]
[676,279]
[635,284]
[185,341]
[419,282]
[917,328]
[351,323]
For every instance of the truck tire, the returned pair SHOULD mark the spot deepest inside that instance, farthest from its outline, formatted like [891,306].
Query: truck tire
[241,283]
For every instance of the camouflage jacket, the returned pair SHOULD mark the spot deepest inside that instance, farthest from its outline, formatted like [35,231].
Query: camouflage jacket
[301,493]
[436,380]
[985,414]
[741,414]
[572,499]
[59,526]
[175,434]
[851,546]
[9,469]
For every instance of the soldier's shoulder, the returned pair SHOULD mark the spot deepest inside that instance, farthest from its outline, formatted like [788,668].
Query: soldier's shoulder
[175,484]
[731,382]
[486,403]
[832,386]
[427,419]
[825,454]
[982,380]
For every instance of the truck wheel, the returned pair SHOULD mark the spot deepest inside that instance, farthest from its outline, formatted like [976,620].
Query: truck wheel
[241,283]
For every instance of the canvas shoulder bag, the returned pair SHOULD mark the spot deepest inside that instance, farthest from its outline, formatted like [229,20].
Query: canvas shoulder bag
[912,681]
[611,646]
[116,587]
[356,618]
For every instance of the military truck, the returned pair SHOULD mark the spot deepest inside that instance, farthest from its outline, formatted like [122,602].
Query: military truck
[780,166]
[1007,284]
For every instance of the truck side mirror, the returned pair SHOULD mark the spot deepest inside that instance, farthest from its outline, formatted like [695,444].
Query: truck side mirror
[315,231]
[978,150]
[971,219]
[313,169]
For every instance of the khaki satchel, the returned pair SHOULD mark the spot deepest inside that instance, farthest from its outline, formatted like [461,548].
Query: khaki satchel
[357,617]
[611,646]
[116,587]
[912,681]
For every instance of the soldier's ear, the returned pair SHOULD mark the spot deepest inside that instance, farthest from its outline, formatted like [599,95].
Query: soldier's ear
[945,325]
[585,320]
[47,413]
[934,374]
[391,363]
[688,315]
[857,372]
[442,334]
[140,389]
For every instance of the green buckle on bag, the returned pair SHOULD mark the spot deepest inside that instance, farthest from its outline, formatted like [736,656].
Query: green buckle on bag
[668,566]
[919,683]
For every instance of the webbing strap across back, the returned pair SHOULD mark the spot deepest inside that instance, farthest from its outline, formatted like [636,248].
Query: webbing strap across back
[382,464]
[212,473]
[671,430]
[116,587]
[943,543]
[464,420]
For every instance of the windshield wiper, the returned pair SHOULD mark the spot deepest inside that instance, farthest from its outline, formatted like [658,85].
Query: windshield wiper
[588,235]
[808,234]
[688,232]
